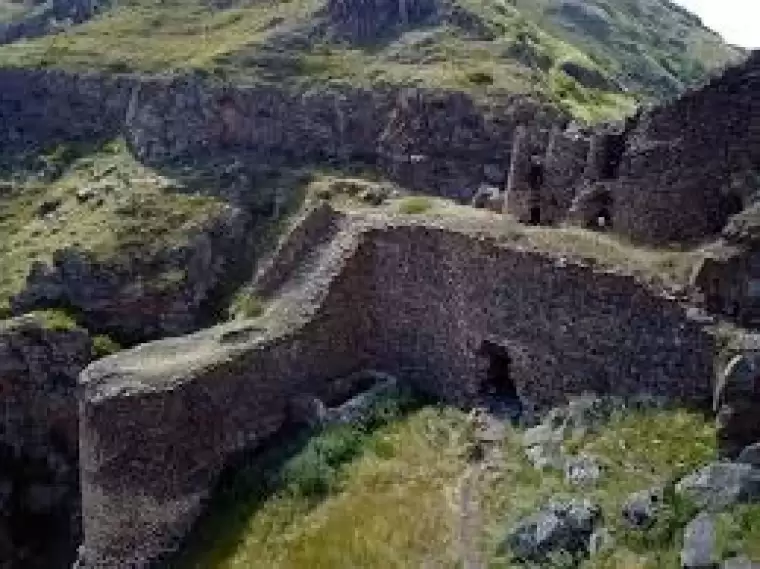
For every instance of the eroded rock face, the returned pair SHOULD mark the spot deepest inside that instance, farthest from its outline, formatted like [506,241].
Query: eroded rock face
[674,172]
[39,478]
[367,20]
[50,17]
[720,485]
[140,295]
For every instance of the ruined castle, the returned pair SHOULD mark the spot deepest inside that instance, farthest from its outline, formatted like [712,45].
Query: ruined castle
[432,301]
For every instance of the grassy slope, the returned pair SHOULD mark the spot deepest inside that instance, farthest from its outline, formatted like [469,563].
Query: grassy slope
[515,49]
[651,46]
[392,502]
[128,205]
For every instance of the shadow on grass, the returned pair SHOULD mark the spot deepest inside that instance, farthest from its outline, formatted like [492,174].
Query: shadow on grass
[305,463]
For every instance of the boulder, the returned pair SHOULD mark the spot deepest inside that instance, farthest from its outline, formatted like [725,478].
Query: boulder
[699,544]
[720,485]
[546,456]
[750,455]
[488,197]
[559,527]
[583,470]
[641,509]
[600,541]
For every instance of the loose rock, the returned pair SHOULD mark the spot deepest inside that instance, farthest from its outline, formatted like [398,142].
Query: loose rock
[699,549]
[558,527]
[642,508]
[720,485]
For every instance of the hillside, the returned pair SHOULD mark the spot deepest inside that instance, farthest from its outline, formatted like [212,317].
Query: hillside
[595,58]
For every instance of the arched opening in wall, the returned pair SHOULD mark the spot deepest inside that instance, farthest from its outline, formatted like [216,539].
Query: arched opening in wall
[535,182]
[499,381]
[731,204]
[536,174]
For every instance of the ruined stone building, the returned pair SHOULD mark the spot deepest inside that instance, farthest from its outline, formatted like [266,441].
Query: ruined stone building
[672,173]
[447,305]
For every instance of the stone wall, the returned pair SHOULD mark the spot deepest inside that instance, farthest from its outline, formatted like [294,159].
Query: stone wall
[417,301]
[674,172]
[317,225]
[39,443]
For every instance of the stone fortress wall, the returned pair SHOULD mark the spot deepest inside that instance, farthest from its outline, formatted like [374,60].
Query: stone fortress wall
[418,301]
[674,172]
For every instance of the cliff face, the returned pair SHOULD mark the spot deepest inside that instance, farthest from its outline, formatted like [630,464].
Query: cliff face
[437,141]
[39,443]
[137,296]
[368,20]
[49,17]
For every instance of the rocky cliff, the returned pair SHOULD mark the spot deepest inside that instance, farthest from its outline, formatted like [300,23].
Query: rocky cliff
[39,442]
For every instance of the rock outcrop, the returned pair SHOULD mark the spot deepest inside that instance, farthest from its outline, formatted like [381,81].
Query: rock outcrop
[138,295]
[39,443]
[440,142]
[370,20]
[49,17]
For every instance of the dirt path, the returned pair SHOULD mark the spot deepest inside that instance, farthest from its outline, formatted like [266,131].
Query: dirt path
[488,432]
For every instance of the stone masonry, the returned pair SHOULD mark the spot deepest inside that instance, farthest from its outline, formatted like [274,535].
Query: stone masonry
[673,172]
[413,299]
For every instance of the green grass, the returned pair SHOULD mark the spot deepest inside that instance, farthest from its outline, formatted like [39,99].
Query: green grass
[507,48]
[412,205]
[386,496]
[126,206]
[103,346]
[56,320]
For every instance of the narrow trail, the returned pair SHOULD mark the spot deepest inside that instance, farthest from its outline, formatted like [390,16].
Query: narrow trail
[488,433]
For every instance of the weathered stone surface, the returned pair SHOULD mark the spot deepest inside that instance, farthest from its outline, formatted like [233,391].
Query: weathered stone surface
[403,297]
[139,295]
[49,17]
[39,486]
[720,485]
[700,544]
[750,455]
[367,20]
[674,172]
[583,470]
[556,528]
[432,141]
[642,508]
[737,400]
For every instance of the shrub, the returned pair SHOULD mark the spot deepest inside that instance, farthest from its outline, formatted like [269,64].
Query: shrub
[247,305]
[103,346]
[56,319]
[415,204]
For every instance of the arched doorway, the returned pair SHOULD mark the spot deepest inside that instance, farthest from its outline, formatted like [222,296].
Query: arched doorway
[499,381]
